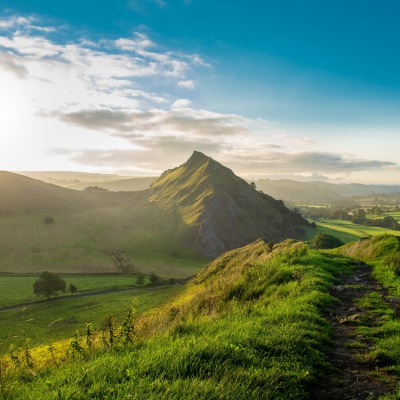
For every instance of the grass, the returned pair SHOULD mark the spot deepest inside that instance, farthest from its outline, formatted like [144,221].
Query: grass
[346,231]
[249,326]
[86,234]
[18,289]
[49,322]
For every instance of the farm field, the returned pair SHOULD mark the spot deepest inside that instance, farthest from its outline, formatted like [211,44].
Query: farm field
[18,289]
[347,231]
[48,322]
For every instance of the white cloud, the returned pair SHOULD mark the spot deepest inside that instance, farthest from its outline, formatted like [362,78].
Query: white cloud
[181,103]
[102,73]
[187,84]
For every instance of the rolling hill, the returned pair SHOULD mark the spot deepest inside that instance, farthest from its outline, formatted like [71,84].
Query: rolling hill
[19,194]
[191,213]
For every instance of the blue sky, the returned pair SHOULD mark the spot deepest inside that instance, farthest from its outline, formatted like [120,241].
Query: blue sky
[280,89]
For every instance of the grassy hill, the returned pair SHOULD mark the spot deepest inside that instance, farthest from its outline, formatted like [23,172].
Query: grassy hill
[97,232]
[221,210]
[197,210]
[20,194]
[250,326]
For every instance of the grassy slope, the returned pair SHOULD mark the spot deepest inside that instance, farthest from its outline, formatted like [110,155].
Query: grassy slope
[88,229]
[249,326]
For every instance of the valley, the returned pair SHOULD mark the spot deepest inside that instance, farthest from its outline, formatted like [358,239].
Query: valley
[236,272]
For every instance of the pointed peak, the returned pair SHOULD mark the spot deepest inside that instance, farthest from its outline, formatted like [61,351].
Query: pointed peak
[198,157]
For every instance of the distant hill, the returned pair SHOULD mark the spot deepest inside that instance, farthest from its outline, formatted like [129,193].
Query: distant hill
[221,210]
[298,192]
[122,185]
[356,189]
[316,192]
[22,194]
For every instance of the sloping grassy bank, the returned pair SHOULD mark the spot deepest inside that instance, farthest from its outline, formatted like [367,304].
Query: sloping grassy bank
[249,326]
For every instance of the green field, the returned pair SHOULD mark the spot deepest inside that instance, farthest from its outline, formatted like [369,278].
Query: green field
[47,322]
[18,289]
[348,232]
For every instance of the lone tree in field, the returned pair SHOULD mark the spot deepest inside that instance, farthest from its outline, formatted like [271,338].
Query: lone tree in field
[48,220]
[48,285]
[72,288]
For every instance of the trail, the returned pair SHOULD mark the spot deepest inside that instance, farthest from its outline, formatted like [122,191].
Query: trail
[350,378]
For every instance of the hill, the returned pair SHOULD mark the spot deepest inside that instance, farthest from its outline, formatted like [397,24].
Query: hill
[356,189]
[250,326]
[221,210]
[191,213]
[20,194]
[120,185]
[298,192]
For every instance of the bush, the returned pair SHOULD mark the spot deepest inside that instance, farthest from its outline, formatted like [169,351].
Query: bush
[48,220]
[325,241]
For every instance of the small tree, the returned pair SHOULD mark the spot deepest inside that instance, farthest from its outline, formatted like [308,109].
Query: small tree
[140,279]
[153,278]
[72,288]
[48,284]
[48,220]
[253,185]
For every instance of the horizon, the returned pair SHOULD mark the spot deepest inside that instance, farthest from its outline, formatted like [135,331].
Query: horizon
[275,91]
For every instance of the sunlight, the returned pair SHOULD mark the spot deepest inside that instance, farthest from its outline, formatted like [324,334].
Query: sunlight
[15,109]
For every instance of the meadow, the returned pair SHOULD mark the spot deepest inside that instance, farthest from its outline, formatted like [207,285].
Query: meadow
[18,289]
[48,322]
[347,231]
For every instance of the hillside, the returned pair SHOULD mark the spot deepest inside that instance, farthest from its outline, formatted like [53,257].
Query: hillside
[20,194]
[193,212]
[249,327]
[266,321]
[221,210]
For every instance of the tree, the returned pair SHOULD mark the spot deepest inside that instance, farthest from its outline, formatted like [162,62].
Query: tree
[48,220]
[140,279]
[253,185]
[359,216]
[72,288]
[48,284]
[153,278]
[325,241]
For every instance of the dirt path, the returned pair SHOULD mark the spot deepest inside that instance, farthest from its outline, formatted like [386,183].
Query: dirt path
[351,379]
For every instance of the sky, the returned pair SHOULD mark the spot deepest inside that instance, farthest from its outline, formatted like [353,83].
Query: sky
[306,90]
